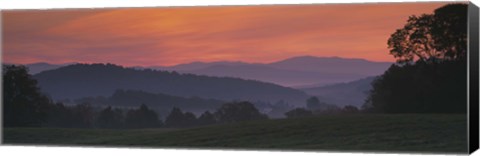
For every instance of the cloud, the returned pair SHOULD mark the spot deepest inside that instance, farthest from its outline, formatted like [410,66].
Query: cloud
[168,36]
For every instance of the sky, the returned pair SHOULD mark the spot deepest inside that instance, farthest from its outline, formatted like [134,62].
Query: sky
[168,36]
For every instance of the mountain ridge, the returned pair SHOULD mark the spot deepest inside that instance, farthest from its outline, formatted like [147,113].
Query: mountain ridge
[84,80]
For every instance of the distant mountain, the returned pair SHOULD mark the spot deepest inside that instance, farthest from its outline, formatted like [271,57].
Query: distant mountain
[266,73]
[197,65]
[341,94]
[35,68]
[332,65]
[296,71]
[86,80]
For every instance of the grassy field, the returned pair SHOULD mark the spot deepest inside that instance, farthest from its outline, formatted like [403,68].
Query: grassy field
[382,133]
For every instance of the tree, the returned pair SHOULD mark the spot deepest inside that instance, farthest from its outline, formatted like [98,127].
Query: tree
[142,118]
[60,116]
[238,111]
[23,103]
[83,115]
[177,118]
[110,118]
[314,104]
[206,118]
[420,88]
[441,36]
[190,119]
[430,76]
[298,112]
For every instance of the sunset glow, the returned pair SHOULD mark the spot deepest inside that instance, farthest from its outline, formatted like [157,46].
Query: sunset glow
[175,35]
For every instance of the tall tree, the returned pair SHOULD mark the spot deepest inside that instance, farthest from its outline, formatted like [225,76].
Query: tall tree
[175,118]
[442,35]
[23,104]
[206,118]
[110,118]
[313,103]
[430,76]
[142,118]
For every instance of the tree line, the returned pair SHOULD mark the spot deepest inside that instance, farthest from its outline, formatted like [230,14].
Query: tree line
[430,75]
[26,106]
[314,107]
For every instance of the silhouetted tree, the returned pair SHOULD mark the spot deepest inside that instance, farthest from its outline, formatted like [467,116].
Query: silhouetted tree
[110,118]
[238,111]
[442,35]
[23,104]
[298,112]
[60,116]
[206,118]
[83,115]
[314,104]
[420,88]
[177,118]
[431,74]
[142,118]
[190,119]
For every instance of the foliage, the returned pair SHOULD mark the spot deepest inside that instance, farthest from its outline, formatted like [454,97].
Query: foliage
[23,103]
[442,35]
[110,118]
[421,88]
[313,103]
[142,118]
[206,118]
[432,70]
[177,118]
[238,111]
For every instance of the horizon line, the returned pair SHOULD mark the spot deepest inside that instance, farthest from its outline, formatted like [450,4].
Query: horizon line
[231,61]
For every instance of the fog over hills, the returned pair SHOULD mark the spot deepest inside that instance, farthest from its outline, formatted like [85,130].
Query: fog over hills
[302,71]
[341,94]
[87,80]
[292,72]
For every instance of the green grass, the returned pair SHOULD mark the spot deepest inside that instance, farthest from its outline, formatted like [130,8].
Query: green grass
[406,132]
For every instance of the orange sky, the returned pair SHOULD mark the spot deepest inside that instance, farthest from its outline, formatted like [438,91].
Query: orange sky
[174,35]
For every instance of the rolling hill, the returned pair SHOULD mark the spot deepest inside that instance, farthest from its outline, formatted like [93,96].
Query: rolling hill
[292,72]
[351,93]
[161,103]
[86,80]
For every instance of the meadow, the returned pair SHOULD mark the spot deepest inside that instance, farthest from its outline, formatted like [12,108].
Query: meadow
[424,133]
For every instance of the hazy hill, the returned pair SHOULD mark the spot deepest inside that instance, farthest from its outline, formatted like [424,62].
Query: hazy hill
[292,72]
[162,103]
[197,65]
[274,75]
[341,94]
[84,80]
[35,68]
[332,65]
